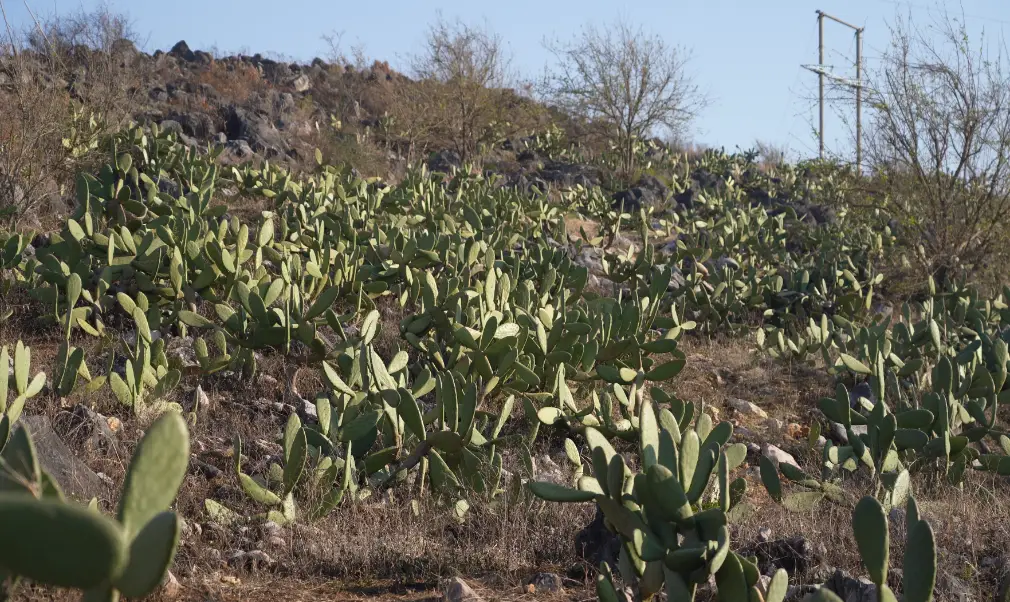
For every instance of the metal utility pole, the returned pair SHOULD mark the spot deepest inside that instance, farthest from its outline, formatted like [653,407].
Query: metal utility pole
[859,100]
[822,71]
[820,77]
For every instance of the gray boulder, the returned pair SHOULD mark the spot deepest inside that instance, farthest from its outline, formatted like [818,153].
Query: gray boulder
[444,161]
[73,475]
[850,589]
[634,199]
[236,151]
[256,129]
[595,543]
[196,124]
[861,390]
[182,51]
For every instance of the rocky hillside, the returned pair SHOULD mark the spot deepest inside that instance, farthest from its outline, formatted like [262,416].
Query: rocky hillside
[520,374]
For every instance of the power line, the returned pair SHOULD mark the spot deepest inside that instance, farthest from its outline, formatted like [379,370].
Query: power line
[928,8]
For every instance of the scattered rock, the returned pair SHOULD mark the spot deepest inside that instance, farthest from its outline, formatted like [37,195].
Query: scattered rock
[171,126]
[746,407]
[271,528]
[744,433]
[457,590]
[254,559]
[208,470]
[259,557]
[595,543]
[954,587]
[861,390]
[839,434]
[634,199]
[256,129]
[202,401]
[182,51]
[236,151]
[549,471]
[764,534]
[301,83]
[170,588]
[546,582]
[158,95]
[179,350]
[777,456]
[850,589]
[445,161]
[107,480]
[89,428]
[794,554]
[61,462]
[775,425]
[309,412]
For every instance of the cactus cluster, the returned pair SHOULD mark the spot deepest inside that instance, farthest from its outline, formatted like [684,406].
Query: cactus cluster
[50,540]
[499,318]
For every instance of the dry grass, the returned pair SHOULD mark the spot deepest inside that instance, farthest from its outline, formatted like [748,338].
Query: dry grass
[719,369]
[233,80]
[971,524]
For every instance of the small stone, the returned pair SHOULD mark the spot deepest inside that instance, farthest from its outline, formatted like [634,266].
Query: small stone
[840,435]
[309,410]
[202,401]
[272,528]
[170,588]
[794,554]
[230,579]
[764,534]
[746,407]
[742,432]
[774,425]
[777,456]
[56,457]
[954,587]
[546,582]
[457,590]
[991,561]
[259,557]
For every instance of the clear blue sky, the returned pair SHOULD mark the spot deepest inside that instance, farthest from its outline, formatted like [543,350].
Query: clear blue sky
[746,53]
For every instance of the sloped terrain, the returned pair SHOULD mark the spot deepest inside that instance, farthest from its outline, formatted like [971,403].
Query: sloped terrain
[327,385]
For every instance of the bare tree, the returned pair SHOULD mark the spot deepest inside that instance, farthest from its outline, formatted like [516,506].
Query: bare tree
[941,143]
[632,82]
[64,81]
[461,94]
